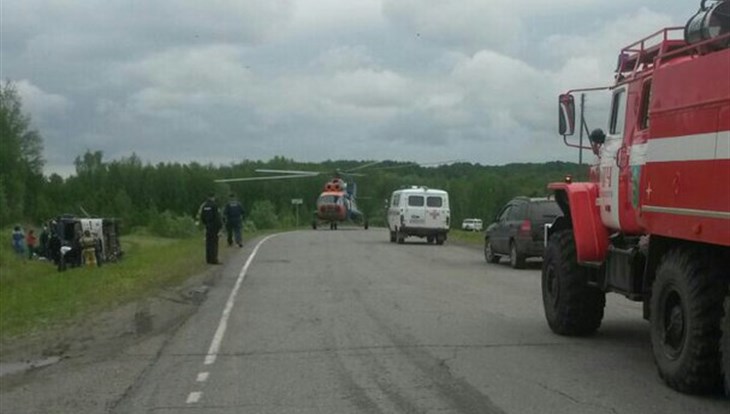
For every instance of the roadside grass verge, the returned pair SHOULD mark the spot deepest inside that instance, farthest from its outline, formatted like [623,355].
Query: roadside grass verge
[34,295]
[468,237]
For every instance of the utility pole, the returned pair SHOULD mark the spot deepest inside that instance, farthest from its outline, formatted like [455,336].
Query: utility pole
[582,122]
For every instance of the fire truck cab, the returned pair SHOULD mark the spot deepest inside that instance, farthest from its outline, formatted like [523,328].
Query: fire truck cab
[653,222]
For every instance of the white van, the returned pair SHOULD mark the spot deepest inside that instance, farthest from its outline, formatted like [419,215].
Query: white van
[421,212]
[472,224]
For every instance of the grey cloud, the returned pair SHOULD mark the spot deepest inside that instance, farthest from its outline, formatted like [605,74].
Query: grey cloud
[222,81]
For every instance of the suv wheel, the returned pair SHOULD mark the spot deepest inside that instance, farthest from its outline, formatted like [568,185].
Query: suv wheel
[516,259]
[489,255]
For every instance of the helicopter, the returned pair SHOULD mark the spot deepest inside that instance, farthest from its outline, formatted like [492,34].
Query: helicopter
[335,204]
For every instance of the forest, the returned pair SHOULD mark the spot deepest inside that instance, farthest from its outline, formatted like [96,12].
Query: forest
[141,193]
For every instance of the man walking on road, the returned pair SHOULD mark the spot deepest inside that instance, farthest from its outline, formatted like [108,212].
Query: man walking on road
[211,219]
[233,213]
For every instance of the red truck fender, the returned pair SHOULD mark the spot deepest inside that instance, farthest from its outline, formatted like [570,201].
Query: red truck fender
[578,202]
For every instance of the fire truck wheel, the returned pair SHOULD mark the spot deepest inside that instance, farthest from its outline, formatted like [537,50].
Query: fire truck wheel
[516,259]
[686,310]
[572,307]
[489,255]
[726,345]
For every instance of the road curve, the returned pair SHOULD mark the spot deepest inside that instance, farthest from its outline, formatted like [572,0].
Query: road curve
[346,322]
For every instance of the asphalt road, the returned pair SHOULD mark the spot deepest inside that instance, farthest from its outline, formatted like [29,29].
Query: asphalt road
[346,322]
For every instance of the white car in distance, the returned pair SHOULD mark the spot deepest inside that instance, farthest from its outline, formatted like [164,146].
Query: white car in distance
[472,224]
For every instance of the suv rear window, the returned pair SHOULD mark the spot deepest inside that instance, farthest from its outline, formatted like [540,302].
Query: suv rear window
[434,201]
[545,209]
[415,201]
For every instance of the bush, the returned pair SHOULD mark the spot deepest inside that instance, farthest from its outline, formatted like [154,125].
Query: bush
[169,225]
[263,214]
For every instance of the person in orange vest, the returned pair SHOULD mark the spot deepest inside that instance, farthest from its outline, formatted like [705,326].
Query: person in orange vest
[31,240]
[88,248]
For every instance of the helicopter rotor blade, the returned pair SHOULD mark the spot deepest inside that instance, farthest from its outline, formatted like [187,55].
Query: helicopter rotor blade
[366,165]
[273,177]
[289,172]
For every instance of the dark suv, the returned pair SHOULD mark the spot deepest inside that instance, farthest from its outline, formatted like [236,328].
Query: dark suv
[518,231]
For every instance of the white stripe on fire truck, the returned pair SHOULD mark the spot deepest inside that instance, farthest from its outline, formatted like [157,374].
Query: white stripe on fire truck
[687,212]
[699,147]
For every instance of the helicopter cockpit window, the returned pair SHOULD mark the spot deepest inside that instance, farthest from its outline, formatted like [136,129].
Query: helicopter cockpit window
[434,201]
[415,201]
[329,199]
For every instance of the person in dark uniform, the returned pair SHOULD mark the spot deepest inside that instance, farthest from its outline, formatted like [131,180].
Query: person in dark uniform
[211,219]
[233,213]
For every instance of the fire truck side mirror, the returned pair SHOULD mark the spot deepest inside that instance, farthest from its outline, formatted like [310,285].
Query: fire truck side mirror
[566,114]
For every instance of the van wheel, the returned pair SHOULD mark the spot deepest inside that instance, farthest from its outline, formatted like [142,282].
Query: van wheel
[516,259]
[489,255]
[429,239]
[440,239]
[392,237]
[686,310]
[572,308]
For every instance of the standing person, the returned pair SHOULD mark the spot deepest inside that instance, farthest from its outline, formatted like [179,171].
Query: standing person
[17,238]
[88,248]
[211,219]
[43,247]
[233,213]
[31,241]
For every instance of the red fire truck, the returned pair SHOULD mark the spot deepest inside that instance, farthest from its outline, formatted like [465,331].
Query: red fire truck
[653,222]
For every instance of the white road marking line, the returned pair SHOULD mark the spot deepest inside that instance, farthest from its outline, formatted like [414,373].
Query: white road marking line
[202,377]
[194,397]
[215,345]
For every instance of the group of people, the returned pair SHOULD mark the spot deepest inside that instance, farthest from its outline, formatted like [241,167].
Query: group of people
[48,246]
[210,216]
[29,244]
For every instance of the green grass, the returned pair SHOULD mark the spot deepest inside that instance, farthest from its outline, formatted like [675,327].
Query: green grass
[470,237]
[34,295]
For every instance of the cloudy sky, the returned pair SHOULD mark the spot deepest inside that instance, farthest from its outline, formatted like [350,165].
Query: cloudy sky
[225,80]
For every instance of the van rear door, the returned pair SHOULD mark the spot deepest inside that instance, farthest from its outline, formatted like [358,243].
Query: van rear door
[415,214]
[435,211]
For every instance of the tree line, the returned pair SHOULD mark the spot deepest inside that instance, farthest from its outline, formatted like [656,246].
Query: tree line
[139,192]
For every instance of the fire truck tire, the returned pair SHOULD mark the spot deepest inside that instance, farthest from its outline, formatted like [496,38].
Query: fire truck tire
[516,259]
[572,308]
[686,310]
[489,255]
[726,345]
